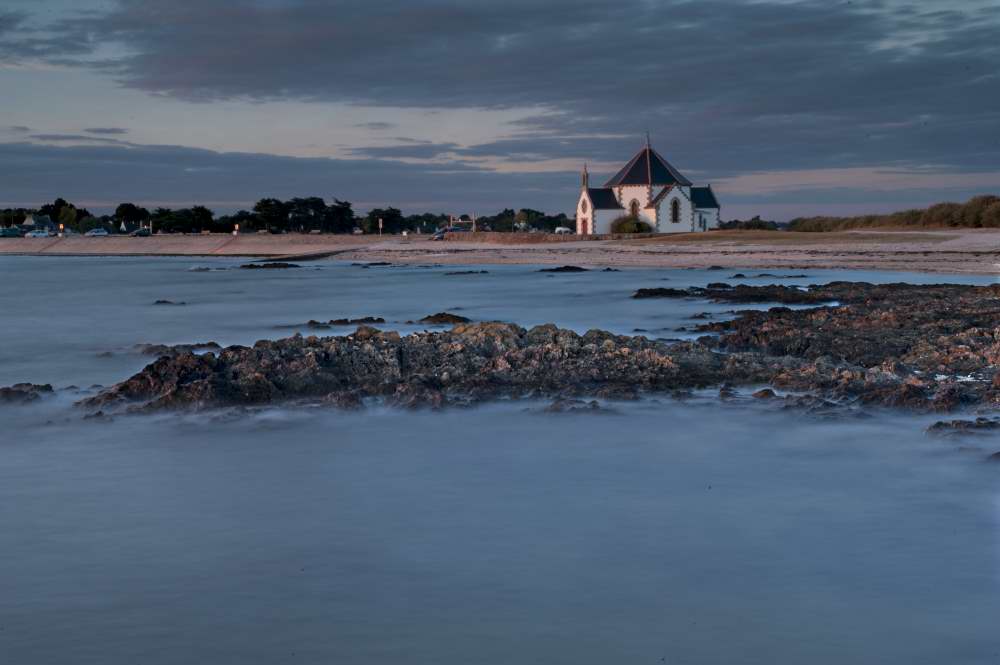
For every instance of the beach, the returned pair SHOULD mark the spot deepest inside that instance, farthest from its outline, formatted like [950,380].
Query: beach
[972,251]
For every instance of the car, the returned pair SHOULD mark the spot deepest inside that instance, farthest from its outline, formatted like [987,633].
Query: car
[10,232]
[96,233]
[38,233]
[562,230]
[140,233]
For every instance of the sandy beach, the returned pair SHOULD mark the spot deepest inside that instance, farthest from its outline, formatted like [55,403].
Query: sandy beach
[942,251]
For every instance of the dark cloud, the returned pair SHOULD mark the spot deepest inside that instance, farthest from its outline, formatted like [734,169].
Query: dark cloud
[376,126]
[725,86]
[19,129]
[77,138]
[107,131]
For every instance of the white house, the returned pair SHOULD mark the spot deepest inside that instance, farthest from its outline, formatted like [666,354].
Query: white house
[649,189]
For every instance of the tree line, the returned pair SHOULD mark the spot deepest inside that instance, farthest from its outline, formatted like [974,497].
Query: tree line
[977,212]
[297,215]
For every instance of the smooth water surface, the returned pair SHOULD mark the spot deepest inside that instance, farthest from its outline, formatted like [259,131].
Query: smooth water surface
[656,532]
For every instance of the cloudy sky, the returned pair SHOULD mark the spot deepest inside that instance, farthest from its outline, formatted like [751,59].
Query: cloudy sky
[787,107]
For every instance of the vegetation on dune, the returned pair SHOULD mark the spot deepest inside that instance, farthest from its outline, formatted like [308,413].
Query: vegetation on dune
[978,212]
[629,224]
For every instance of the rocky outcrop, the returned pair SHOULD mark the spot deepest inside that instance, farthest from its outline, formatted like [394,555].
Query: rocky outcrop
[926,348]
[446,318]
[270,265]
[21,393]
[565,269]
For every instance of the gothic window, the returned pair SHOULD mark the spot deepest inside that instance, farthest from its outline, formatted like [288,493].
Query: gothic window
[633,208]
[583,206]
[675,211]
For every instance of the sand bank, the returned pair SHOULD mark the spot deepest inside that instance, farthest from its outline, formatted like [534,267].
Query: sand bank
[945,251]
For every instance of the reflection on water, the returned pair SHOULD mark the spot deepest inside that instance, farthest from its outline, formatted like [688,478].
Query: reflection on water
[691,532]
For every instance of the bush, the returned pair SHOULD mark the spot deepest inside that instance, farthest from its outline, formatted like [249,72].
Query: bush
[628,224]
[755,224]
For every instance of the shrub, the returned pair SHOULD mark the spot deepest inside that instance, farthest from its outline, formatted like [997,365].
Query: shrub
[629,224]
[977,212]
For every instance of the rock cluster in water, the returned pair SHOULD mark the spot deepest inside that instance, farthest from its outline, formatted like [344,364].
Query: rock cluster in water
[928,348]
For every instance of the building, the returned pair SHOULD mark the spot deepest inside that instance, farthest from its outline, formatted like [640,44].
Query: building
[648,189]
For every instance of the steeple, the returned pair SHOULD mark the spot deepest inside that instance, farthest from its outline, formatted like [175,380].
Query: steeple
[585,177]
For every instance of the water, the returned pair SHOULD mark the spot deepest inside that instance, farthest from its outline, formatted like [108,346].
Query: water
[691,532]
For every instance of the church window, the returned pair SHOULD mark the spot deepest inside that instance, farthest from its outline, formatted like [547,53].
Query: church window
[675,211]
[583,206]
[633,208]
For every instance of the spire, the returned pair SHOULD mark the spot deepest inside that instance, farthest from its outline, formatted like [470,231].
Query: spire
[649,162]
[585,177]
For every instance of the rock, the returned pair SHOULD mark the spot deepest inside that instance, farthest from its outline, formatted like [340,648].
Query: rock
[927,348]
[344,399]
[764,393]
[166,350]
[356,322]
[611,270]
[994,458]
[444,318]
[270,265]
[469,272]
[738,275]
[169,302]
[719,285]
[573,406]
[564,269]
[22,393]
[99,416]
[661,292]
[715,268]
[962,427]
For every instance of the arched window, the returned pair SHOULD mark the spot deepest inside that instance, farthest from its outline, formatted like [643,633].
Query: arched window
[675,211]
[583,206]
[633,208]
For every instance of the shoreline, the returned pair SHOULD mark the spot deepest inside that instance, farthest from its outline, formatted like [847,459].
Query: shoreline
[946,251]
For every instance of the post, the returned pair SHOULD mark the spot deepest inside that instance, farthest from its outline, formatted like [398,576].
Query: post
[380,226]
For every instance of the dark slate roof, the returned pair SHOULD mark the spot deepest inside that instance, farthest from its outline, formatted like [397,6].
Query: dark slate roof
[704,197]
[648,168]
[603,199]
[659,197]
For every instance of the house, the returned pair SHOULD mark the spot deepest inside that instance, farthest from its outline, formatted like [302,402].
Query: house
[37,222]
[650,190]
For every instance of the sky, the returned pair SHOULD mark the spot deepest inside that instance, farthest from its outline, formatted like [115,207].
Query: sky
[788,108]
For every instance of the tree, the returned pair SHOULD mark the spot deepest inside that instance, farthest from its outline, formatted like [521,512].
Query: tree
[131,214]
[392,220]
[68,216]
[273,214]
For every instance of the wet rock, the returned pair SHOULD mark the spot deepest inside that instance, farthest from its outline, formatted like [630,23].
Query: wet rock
[964,427]
[611,270]
[347,400]
[927,348]
[22,393]
[765,393]
[270,265]
[994,458]
[574,406]
[662,292]
[469,272]
[169,302]
[738,275]
[719,285]
[99,416]
[364,320]
[564,269]
[168,350]
[446,318]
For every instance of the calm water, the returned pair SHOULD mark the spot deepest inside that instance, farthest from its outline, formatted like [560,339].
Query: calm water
[662,532]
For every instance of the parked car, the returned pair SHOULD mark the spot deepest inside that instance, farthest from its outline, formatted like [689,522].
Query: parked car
[96,233]
[140,233]
[562,230]
[10,232]
[38,233]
